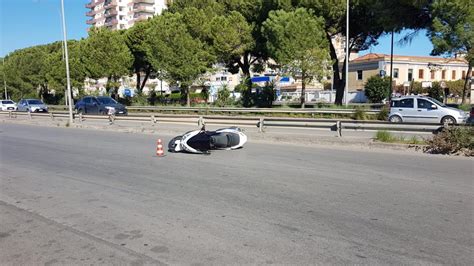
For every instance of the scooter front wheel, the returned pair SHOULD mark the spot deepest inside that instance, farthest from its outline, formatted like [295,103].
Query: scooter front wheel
[172,144]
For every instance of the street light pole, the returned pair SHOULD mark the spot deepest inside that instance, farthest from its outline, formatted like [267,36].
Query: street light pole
[71,120]
[5,79]
[391,68]
[347,53]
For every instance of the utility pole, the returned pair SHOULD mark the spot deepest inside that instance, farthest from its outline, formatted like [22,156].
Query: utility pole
[347,53]
[71,120]
[5,79]
[391,69]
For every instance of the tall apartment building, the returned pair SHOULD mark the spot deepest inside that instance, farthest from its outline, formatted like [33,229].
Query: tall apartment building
[122,14]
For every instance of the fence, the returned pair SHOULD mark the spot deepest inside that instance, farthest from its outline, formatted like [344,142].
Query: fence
[261,122]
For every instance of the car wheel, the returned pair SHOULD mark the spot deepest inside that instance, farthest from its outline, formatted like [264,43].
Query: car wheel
[395,119]
[448,120]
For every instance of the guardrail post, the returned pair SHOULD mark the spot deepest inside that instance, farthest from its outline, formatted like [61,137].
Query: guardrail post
[9,114]
[153,119]
[51,115]
[111,119]
[29,114]
[200,122]
[80,118]
[339,128]
[260,125]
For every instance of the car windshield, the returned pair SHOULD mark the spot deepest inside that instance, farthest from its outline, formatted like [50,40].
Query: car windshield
[7,102]
[35,102]
[436,102]
[106,100]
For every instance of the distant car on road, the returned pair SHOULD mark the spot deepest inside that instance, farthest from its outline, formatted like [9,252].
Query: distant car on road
[421,109]
[32,105]
[7,105]
[99,105]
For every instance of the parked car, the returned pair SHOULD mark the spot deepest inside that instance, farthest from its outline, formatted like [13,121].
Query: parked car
[421,109]
[7,105]
[99,105]
[32,105]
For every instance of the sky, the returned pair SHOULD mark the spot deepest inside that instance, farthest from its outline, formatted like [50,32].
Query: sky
[25,23]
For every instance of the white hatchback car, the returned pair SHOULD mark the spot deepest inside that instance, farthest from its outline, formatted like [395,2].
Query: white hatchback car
[421,109]
[7,105]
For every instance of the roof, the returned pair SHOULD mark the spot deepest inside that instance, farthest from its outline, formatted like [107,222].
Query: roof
[379,57]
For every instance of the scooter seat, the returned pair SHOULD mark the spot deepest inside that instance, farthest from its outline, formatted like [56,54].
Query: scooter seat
[224,140]
[219,141]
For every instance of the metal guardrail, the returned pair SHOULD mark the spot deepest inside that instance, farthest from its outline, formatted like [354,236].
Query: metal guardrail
[262,123]
[239,110]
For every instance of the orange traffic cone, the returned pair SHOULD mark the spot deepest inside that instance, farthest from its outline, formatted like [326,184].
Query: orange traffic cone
[159,149]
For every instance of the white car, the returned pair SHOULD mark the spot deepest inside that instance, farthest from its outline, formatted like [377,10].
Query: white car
[8,105]
[421,109]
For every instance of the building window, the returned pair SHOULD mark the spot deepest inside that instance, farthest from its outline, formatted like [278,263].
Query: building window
[359,75]
[421,74]
[433,74]
[443,74]
[395,73]
[410,74]
[454,74]
[463,74]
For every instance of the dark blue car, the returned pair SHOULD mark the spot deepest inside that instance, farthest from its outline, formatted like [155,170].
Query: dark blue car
[99,105]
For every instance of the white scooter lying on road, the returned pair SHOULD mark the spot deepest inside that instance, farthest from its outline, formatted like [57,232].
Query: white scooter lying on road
[202,141]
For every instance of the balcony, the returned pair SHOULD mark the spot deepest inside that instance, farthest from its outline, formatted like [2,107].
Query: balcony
[144,1]
[141,16]
[111,13]
[111,22]
[94,3]
[91,13]
[91,22]
[144,9]
[110,4]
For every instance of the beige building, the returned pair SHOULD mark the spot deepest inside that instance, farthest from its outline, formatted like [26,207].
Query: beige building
[423,69]
[122,14]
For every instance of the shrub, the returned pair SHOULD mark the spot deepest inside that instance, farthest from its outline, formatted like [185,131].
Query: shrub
[223,97]
[377,89]
[453,140]
[416,88]
[359,114]
[384,136]
[455,86]
[383,114]
[435,91]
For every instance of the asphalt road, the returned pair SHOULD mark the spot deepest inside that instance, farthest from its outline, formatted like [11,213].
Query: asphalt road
[78,196]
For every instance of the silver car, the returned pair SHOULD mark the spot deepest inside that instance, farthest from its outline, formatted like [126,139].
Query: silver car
[421,109]
[32,105]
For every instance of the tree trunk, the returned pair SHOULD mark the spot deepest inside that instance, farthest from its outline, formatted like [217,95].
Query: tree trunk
[338,83]
[467,86]
[188,98]
[303,89]
[137,72]
[245,66]
[145,79]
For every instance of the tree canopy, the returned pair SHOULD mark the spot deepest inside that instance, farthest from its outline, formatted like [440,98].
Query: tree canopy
[173,50]
[452,32]
[297,41]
